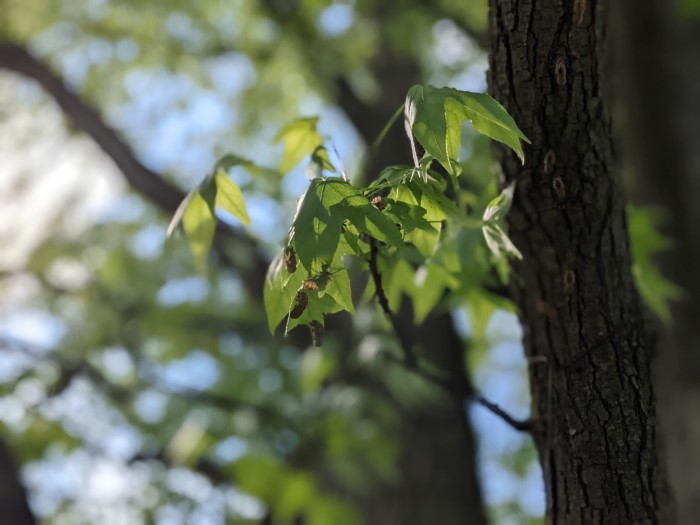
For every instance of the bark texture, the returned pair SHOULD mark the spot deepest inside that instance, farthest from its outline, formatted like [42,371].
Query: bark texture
[660,51]
[584,324]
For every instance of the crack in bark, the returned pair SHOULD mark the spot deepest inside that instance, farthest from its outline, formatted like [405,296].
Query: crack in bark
[602,443]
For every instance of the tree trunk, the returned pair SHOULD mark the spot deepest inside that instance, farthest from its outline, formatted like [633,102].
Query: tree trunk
[584,324]
[661,83]
[14,509]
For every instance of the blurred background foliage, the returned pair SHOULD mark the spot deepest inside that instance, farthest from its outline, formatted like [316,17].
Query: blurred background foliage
[136,390]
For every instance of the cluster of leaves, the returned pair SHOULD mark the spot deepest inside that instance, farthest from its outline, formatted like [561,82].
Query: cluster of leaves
[432,236]
[424,230]
[426,236]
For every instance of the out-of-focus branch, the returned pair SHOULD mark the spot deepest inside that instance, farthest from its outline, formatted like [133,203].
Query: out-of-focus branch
[148,183]
[203,466]
[71,370]
[16,58]
[14,508]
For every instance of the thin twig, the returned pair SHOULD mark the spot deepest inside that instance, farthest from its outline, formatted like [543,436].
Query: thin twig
[409,356]
[518,424]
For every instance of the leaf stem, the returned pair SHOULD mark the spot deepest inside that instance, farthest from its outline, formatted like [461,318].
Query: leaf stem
[409,355]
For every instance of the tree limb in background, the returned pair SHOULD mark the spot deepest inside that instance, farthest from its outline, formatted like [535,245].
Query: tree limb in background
[14,508]
[148,183]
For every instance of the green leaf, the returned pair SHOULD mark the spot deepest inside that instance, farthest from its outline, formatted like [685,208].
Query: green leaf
[435,116]
[230,160]
[373,222]
[338,288]
[316,366]
[429,288]
[317,306]
[260,476]
[494,225]
[425,118]
[300,139]
[499,207]
[397,278]
[499,243]
[491,119]
[323,208]
[280,289]
[656,290]
[647,241]
[199,222]
[319,162]
[229,196]
[296,495]
[316,229]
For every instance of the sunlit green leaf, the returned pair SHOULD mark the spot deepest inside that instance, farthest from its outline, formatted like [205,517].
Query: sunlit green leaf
[316,366]
[280,289]
[374,223]
[499,207]
[316,229]
[499,243]
[435,116]
[320,162]
[300,139]
[199,223]
[494,225]
[338,288]
[646,241]
[429,288]
[229,197]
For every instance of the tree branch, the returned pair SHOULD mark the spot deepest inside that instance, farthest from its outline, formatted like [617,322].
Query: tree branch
[148,183]
[404,341]
[13,496]
[70,370]
[518,424]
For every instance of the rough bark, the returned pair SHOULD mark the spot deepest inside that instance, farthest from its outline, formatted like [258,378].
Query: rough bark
[14,508]
[659,89]
[584,325]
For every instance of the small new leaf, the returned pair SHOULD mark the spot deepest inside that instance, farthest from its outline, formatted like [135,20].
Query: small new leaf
[499,207]
[494,225]
[229,197]
[435,116]
[300,139]
[281,287]
[199,222]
